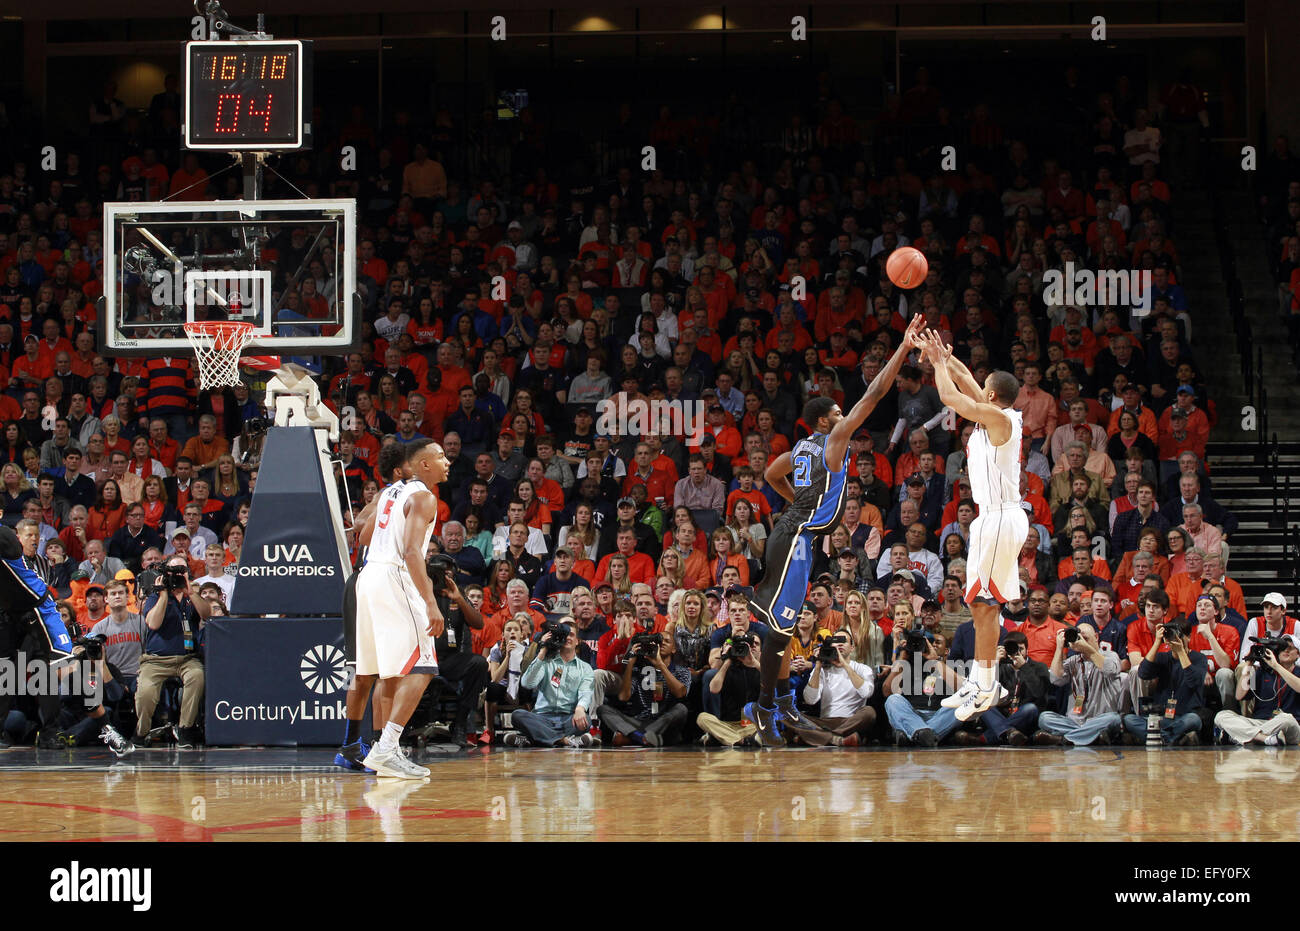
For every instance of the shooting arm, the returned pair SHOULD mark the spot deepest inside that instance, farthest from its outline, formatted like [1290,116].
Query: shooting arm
[963,379]
[993,418]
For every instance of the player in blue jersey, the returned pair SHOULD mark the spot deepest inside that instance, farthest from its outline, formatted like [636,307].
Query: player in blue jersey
[811,478]
[35,628]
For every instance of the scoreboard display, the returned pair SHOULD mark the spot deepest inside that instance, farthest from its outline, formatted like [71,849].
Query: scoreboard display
[248,96]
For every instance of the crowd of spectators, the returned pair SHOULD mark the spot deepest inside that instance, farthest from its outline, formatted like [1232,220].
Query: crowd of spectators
[741,288]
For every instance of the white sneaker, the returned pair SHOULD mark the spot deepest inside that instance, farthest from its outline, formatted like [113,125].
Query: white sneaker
[979,702]
[1270,740]
[959,697]
[392,764]
[578,741]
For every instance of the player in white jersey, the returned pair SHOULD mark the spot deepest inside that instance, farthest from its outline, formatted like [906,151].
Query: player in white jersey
[998,533]
[391,465]
[397,613]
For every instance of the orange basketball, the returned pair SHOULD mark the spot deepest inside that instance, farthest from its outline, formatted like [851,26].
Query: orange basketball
[906,267]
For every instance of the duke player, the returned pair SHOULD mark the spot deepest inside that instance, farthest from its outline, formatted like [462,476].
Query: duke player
[22,590]
[397,613]
[997,534]
[392,466]
[811,477]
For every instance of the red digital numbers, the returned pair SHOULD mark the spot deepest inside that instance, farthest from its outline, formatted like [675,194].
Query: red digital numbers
[229,108]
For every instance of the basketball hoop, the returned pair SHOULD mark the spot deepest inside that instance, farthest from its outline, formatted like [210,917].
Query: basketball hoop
[217,347]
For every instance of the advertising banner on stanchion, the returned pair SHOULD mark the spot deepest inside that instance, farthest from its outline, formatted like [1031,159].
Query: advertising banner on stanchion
[293,562]
[275,681]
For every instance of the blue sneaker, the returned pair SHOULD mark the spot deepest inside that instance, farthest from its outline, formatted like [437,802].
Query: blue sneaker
[767,721]
[350,756]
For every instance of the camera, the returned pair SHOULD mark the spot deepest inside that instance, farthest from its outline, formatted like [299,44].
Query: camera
[646,645]
[257,425]
[94,646]
[827,653]
[559,632]
[739,646]
[438,565]
[1172,631]
[173,578]
[1260,644]
[1013,648]
[1071,635]
[916,644]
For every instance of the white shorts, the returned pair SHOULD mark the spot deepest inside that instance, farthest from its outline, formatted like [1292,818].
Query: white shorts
[993,557]
[392,637]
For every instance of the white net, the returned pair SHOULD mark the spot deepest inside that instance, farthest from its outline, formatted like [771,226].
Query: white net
[217,347]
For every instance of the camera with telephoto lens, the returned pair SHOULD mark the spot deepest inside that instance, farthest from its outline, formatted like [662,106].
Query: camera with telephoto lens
[646,645]
[739,646]
[94,645]
[1260,644]
[559,632]
[256,425]
[827,652]
[1071,635]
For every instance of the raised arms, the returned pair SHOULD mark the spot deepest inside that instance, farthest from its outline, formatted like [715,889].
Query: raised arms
[837,443]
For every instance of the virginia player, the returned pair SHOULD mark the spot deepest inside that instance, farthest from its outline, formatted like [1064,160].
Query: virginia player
[811,477]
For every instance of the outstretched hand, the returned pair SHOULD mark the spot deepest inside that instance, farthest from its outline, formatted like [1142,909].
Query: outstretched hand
[915,329]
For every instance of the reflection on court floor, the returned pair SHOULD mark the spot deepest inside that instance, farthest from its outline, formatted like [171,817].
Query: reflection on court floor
[637,795]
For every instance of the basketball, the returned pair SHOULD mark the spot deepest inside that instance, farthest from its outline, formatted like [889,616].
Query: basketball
[906,267]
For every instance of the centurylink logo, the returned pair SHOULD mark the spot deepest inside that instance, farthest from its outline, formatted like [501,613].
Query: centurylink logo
[323,669]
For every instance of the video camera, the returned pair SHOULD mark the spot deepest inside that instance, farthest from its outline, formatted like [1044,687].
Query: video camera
[827,653]
[738,646]
[93,645]
[1260,644]
[646,646]
[559,632]
[173,578]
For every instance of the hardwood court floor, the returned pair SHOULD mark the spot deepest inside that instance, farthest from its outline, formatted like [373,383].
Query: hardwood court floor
[637,795]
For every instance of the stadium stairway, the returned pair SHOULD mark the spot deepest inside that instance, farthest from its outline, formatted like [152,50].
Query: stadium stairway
[1257,482]
[1263,550]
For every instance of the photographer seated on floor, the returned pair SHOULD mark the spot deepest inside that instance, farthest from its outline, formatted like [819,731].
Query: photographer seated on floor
[1026,682]
[171,650]
[563,685]
[1176,694]
[841,687]
[1096,691]
[734,684]
[1268,690]
[652,690]
[916,684]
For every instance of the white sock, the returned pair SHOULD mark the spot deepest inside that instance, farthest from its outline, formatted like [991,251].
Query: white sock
[390,737]
[985,676]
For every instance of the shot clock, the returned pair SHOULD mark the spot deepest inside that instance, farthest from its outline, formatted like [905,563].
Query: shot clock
[249,96]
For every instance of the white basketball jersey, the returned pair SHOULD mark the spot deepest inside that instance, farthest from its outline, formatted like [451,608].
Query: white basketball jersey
[995,470]
[390,524]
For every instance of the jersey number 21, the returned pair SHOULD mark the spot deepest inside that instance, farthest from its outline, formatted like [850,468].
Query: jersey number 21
[802,470]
